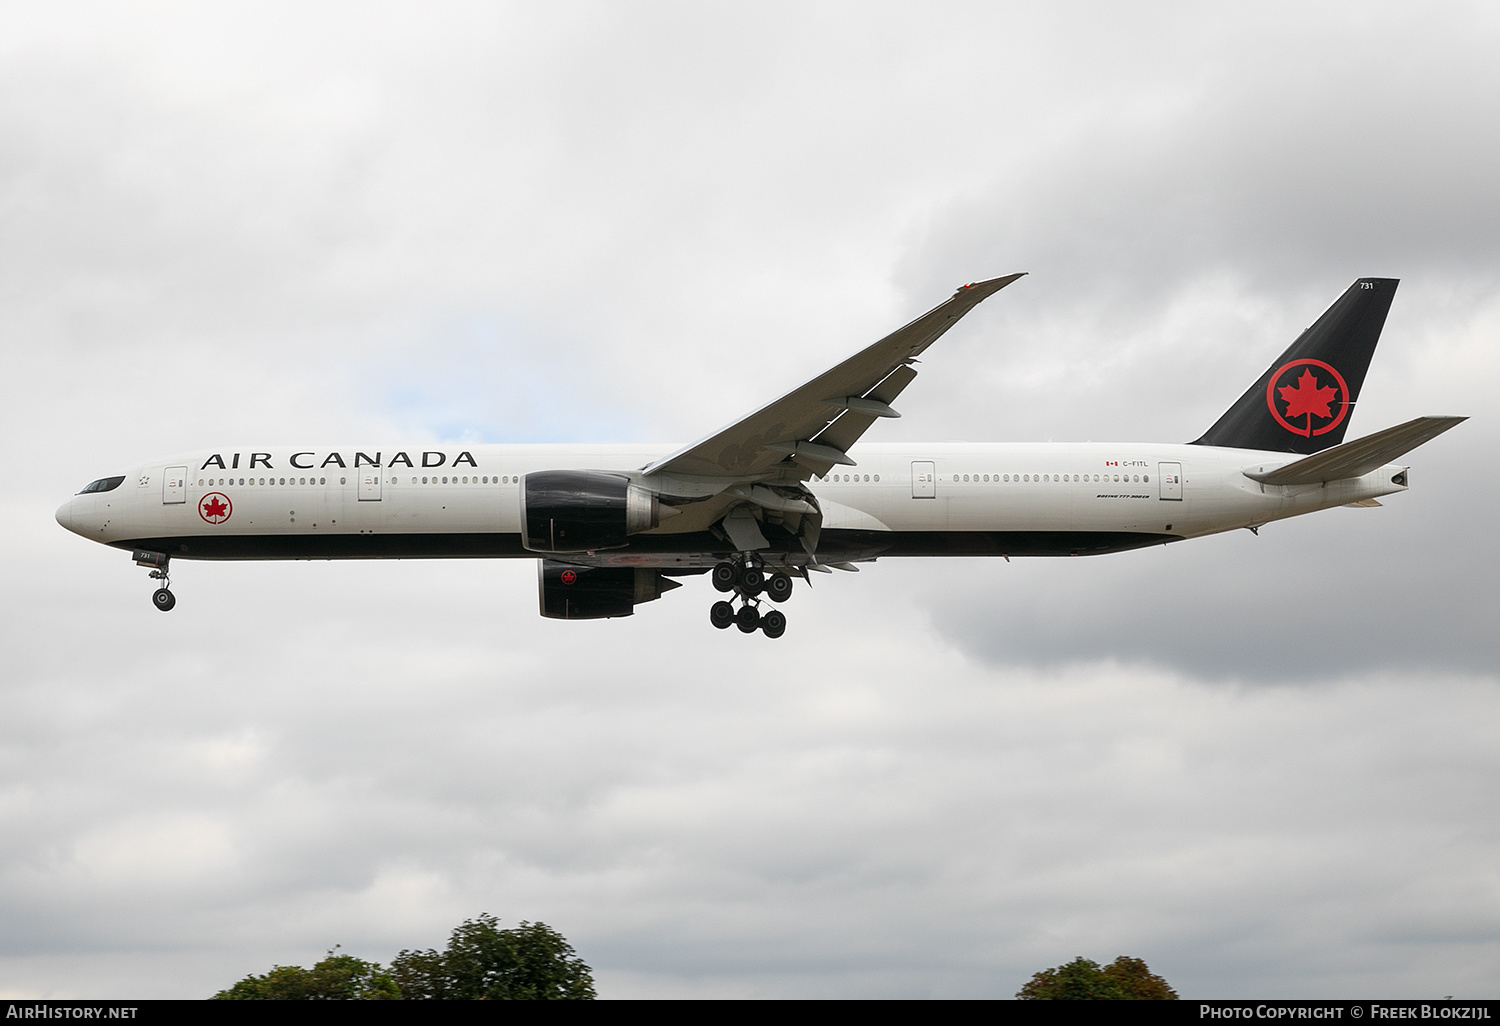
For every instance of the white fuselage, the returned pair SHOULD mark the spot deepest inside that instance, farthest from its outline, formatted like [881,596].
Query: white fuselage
[924,499]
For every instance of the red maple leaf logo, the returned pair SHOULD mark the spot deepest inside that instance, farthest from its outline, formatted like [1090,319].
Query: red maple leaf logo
[1308,397]
[569,576]
[214,508]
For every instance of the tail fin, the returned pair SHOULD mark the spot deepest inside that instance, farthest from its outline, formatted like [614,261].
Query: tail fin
[1302,402]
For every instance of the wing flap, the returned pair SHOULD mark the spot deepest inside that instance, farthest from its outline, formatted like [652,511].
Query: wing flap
[1359,457]
[849,426]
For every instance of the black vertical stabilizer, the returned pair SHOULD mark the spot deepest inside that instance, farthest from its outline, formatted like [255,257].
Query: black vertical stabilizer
[1302,403]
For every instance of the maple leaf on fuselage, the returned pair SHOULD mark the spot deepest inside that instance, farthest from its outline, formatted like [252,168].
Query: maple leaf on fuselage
[214,508]
[1307,397]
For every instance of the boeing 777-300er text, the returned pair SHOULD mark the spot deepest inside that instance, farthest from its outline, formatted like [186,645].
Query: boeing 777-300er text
[781,492]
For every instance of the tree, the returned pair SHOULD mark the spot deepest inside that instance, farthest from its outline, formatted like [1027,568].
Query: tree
[1124,979]
[484,962]
[335,978]
[1136,980]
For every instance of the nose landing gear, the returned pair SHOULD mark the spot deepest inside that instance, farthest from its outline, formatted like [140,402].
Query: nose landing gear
[749,580]
[162,598]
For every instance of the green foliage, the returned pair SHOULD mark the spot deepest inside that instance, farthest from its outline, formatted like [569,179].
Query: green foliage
[1124,979]
[1136,980]
[481,962]
[485,963]
[335,978]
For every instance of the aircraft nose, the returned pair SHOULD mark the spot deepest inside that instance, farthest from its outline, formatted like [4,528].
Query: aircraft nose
[65,514]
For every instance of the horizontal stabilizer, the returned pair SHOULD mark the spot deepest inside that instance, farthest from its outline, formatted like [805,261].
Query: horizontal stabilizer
[1359,457]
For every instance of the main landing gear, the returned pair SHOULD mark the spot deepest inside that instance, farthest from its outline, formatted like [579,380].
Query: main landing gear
[749,581]
[162,598]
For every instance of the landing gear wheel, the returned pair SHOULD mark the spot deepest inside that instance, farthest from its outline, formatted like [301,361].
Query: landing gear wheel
[778,587]
[721,615]
[725,576]
[773,623]
[752,580]
[747,619]
[163,599]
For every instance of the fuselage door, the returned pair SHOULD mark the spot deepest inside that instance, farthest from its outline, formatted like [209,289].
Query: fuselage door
[174,485]
[369,485]
[1170,476]
[923,479]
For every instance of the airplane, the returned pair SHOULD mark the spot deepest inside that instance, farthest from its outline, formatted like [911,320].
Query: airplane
[781,493]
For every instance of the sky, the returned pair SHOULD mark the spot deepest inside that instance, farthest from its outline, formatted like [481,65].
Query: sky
[1264,764]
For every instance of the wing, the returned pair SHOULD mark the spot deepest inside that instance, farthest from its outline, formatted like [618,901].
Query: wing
[814,426]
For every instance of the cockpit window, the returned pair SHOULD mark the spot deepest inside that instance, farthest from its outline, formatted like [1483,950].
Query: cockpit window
[104,484]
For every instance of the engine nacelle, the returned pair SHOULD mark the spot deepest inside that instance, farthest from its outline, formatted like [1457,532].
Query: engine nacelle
[571,592]
[583,510]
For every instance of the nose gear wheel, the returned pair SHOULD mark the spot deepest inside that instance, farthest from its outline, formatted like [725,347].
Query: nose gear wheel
[162,598]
